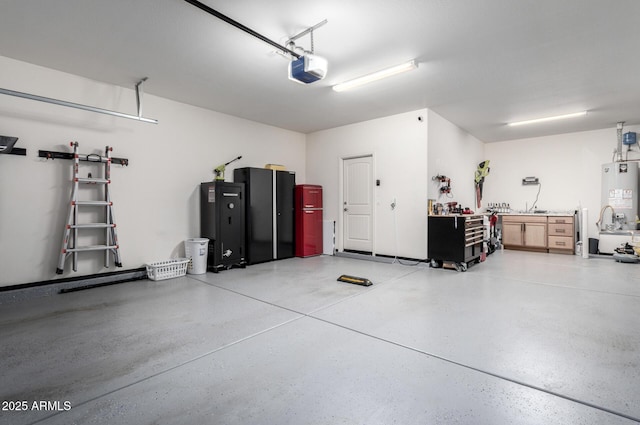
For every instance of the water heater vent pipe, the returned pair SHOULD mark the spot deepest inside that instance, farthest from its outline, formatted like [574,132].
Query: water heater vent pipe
[619,147]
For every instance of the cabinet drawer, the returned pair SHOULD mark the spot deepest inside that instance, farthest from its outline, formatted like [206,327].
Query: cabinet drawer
[560,229]
[561,219]
[524,219]
[473,236]
[473,221]
[560,242]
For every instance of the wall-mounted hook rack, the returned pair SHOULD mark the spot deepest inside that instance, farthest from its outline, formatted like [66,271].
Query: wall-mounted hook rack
[69,155]
[16,151]
[7,146]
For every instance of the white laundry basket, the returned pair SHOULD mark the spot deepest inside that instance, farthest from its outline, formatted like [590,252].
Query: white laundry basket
[196,250]
[161,270]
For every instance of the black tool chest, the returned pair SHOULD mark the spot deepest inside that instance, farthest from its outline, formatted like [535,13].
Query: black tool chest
[455,239]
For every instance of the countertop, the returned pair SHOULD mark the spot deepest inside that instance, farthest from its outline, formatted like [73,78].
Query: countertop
[546,213]
[542,214]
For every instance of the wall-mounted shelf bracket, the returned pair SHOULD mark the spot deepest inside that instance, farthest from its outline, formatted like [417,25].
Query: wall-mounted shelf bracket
[89,158]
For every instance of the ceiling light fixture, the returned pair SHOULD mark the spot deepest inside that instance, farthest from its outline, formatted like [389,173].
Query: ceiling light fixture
[554,118]
[366,79]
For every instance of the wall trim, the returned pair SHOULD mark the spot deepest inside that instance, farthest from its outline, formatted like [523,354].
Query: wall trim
[20,292]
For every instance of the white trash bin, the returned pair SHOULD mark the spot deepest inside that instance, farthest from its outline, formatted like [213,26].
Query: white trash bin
[196,250]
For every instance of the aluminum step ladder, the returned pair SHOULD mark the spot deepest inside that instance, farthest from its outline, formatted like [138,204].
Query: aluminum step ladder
[70,238]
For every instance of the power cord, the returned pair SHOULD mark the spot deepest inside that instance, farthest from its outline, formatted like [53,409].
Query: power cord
[395,231]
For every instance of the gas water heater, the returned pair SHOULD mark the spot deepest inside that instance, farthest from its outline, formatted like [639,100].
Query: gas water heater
[620,192]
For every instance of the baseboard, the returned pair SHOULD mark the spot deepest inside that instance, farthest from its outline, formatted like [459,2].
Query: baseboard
[45,288]
[378,258]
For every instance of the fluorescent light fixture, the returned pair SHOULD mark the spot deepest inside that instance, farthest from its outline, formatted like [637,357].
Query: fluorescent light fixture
[357,82]
[557,117]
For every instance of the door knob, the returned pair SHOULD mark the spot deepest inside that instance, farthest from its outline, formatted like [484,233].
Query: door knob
[346,209]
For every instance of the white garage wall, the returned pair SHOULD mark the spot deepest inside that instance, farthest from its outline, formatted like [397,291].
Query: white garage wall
[407,153]
[399,147]
[156,200]
[456,154]
[568,166]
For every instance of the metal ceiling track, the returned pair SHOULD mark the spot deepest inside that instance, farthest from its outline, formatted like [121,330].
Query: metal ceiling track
[59,102]
[307,31]
[238,25]
[292,41]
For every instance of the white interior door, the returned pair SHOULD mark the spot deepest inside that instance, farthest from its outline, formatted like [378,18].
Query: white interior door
[358,204]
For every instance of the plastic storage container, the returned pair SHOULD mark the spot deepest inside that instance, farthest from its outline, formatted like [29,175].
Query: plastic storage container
[196,250]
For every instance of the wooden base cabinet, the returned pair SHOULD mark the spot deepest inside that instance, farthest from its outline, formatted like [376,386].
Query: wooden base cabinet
[553,233]
[561,230]
[524,232]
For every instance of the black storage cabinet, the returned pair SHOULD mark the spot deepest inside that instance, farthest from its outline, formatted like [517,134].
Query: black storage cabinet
[456,239]
[222,221]
[285,214]
[269,213]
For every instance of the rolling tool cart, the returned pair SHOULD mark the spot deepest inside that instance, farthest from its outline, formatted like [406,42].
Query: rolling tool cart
[456,240]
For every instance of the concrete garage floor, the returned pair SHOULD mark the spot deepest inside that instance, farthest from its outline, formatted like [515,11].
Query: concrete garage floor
[523,338]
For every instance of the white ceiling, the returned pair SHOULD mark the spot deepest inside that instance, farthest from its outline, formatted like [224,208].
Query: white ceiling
[482,63]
